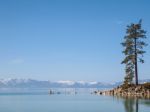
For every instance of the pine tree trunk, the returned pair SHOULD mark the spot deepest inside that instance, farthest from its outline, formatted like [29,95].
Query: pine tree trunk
[136,69]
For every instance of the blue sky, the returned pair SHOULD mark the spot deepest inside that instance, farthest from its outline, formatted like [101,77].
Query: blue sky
[68,39]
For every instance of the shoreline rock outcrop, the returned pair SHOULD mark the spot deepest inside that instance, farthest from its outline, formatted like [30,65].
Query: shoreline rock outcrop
[140,91]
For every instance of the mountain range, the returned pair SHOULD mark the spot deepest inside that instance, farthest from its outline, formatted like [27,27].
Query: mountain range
[31,83]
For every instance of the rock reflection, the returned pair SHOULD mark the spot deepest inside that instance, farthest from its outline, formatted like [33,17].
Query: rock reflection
[131,104]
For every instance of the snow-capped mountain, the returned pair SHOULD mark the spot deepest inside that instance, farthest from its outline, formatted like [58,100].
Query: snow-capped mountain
[30,83]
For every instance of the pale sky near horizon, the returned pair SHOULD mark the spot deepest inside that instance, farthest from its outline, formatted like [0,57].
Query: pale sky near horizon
[69,39]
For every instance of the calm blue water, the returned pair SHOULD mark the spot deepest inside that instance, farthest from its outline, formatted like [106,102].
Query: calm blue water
[38,100]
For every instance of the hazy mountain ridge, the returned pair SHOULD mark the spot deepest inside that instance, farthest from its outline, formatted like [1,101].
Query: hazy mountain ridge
[31,83]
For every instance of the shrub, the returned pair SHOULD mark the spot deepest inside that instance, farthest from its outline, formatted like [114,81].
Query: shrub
[146,85]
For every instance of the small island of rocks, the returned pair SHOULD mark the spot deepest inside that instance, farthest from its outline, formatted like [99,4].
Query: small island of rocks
[129,90]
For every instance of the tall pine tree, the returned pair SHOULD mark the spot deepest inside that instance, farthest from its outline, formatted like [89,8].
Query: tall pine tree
[133,49]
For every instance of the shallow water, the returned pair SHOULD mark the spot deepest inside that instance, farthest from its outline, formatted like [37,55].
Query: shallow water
[40,101]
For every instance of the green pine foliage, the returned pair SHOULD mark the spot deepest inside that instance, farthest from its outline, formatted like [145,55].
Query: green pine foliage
[133,50]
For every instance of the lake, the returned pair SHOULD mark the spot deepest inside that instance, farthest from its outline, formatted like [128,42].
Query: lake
[38,100]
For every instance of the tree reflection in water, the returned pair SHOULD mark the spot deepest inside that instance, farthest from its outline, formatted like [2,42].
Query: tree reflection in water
[137,104]
[128,104]
[131,104]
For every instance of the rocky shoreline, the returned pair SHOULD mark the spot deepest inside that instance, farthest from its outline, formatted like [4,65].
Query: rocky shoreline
[140,91]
